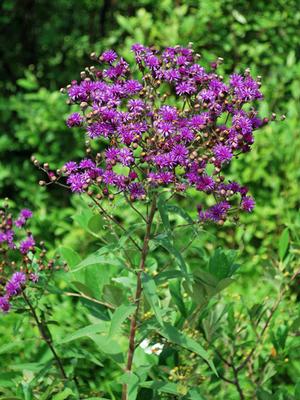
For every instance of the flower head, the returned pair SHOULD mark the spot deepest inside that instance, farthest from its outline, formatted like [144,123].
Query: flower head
[162,126]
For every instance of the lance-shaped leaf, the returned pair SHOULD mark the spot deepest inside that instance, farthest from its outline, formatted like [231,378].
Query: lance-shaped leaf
[119,316]
[161,205]
[166,243]
[150,291]
[174,336]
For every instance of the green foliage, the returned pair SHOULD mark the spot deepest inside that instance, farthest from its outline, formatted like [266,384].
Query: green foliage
[188,306]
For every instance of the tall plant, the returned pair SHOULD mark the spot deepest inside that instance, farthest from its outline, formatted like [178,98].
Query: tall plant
[158,135]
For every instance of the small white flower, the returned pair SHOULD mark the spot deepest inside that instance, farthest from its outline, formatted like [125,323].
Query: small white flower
[151,349]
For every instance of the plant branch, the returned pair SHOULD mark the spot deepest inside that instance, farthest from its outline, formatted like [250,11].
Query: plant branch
[84,296]
[116,222]
[46,337]
[138,293]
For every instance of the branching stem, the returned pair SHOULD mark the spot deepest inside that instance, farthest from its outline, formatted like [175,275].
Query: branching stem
[46,337]
[138,294]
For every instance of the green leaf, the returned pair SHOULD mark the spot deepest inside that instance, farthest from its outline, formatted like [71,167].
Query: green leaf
[99,257]
[97,398]
[263,395]
[109,346]
[162,277]
[100,327]
[95,224]
[70,256]
[132,382]
[297,390]
[150,292]
[180,211]
[175,290]
[161,205]
[165,242]
[64,394]
[113,294]
[164,387]
[119,316]
[283,243]
[221,265]
[174,336]
[195,395]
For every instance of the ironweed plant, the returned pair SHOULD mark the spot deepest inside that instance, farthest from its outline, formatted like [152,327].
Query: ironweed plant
[159,137]
[24,271]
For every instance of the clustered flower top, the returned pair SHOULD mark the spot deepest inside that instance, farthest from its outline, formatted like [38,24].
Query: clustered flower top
[18,264]
[166,122]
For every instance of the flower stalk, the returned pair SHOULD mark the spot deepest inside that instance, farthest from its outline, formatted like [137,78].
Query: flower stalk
[138,294]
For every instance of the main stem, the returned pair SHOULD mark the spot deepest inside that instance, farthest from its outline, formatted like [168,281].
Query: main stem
[46,337]
[138,294]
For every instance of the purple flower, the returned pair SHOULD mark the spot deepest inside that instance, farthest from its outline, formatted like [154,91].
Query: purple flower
[204,183]
[171,75]
[161,177]
[136,106]
[179,154]
[26,213]
[100,129]
[132,87]
[125,156]
[136,190]
[168,113]
[71,166]
[4,304]
[111,154]
[8,237]
[74,120]
[87,163]
[109,56]
[33,277]
[216,213]
[77,182]
[27,244]
[247,203]
[222,153]
[166,120]
[185,88]
[14,285]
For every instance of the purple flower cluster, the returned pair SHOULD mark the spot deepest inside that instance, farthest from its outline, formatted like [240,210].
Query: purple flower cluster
[167,124]
[19,264]
[12,288]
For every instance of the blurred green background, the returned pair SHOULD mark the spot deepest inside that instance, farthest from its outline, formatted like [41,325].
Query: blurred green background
[45,44]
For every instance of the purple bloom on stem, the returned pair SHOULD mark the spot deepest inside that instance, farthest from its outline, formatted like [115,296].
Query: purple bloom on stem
[222,153]
[27,245]
[168,113]
[77,182]
[26,213]
[109,56]
[14,285]
[87,163]
[247,203]
[171,75]
[176,114]
[205,183]
[125,156]
[34,277]
[185,88]
[111,154]
[71,166]
[217,212]
[136,190]
[132,87]
[4,304]
[74,120]
[136,106]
